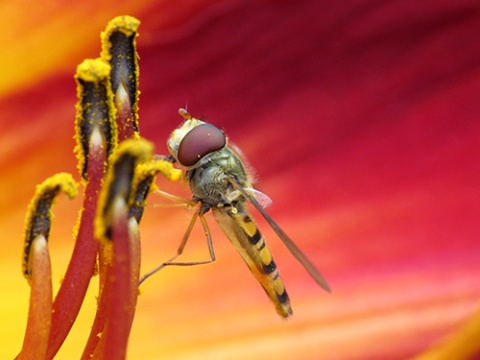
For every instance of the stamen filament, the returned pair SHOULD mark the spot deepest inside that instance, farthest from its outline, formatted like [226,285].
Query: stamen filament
[82,264]
[120,254]
[40,311]
[96,140]
[121,308]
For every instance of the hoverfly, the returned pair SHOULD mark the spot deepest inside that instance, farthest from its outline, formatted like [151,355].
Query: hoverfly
[220,182]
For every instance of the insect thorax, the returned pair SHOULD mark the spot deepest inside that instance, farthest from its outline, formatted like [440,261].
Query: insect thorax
[210,183]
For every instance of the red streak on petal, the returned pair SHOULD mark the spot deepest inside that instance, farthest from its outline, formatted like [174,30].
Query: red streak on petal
[61,37]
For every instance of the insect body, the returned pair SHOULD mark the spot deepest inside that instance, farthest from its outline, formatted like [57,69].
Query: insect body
[220,182]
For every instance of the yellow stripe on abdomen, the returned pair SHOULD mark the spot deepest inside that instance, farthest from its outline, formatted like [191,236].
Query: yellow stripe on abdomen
[269,276]
[245,237]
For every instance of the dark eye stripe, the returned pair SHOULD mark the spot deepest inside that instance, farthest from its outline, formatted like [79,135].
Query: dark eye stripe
[200,141]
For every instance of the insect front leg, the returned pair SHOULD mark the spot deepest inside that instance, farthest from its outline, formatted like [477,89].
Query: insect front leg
[168,158]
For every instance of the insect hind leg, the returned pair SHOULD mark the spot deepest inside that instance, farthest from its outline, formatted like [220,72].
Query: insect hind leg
[202,209]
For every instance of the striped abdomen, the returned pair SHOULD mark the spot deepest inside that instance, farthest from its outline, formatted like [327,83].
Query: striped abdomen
[243,233]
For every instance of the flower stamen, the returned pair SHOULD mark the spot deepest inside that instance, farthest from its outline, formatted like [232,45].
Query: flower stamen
[39,215]
[120,253]
[95,110]
[96,136]
[36,263]
[144,183]
[119,50]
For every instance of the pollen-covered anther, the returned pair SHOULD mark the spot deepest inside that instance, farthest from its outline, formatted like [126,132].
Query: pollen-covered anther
[125,116]
[122,99]
[39,215]
[119,183]
[144,183]
[95,110]
[119,50]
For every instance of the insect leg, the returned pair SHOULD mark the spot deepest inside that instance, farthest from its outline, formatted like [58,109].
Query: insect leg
[211,251]
[199,213]
[177,199]
[168,158]
[208,237]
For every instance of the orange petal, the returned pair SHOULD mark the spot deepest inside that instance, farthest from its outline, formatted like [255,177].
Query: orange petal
[362,123]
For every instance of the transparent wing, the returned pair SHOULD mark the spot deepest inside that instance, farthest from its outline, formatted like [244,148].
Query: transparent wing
[296,252]
[263,199]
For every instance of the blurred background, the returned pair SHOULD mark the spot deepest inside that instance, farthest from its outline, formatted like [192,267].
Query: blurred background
[360,119]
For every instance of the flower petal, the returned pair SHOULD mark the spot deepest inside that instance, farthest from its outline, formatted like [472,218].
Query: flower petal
[362,122]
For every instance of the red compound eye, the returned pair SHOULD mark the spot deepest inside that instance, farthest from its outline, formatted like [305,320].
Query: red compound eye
[200,141]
